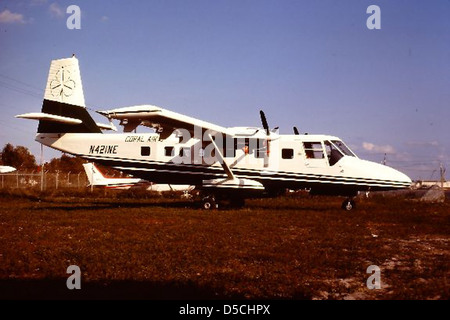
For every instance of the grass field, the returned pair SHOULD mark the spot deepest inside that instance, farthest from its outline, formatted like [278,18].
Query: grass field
[136,246]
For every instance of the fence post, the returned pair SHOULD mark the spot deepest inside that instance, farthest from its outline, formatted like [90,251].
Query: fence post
[92,179]
[17,179]
[42,177]
[56,178]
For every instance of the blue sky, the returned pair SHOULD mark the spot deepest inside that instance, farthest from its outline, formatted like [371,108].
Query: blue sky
[313,64]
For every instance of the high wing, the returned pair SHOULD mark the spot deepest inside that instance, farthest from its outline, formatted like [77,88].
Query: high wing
[162,120]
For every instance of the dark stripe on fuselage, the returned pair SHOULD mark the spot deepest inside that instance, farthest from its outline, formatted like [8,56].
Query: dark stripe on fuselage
[166,172]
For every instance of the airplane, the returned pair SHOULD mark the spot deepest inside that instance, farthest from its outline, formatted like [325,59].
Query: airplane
[97,178]
[225,164]
[7,169]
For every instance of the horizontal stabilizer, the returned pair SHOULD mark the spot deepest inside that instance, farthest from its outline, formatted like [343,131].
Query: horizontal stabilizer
[7,169]
[105,126]
[49,117]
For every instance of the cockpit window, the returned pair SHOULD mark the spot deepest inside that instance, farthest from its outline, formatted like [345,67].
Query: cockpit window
[333,153]
[343,148]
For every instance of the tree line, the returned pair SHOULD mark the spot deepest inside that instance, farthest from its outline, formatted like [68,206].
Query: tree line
[22,159]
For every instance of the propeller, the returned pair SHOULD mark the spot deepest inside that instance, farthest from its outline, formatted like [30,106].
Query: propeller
[264,122]
[266,127]
[296,131]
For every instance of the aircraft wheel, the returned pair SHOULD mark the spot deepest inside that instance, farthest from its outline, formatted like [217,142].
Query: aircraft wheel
[348,205]
[209,203]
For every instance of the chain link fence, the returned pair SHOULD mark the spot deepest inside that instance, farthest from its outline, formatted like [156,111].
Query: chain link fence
[43,180]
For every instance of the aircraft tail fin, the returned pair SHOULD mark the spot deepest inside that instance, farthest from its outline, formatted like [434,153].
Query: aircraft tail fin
[63,108]
[95,177]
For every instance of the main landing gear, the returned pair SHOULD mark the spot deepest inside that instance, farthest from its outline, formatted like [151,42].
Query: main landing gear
[348,204]
[211,202]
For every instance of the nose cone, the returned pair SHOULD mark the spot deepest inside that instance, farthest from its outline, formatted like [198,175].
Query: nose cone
[391,175]
[376,175]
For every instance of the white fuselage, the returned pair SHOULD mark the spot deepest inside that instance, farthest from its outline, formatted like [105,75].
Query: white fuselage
[292,161]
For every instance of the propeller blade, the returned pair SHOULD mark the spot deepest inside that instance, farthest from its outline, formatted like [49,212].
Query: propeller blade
[296,131]
[264,122]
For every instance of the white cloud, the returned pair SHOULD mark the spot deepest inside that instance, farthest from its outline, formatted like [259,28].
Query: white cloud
[423,143]
[373,148]
[7,16]
[56,11]
[38,2]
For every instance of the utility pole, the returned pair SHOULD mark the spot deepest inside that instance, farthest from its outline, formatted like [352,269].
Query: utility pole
[42,167]
[442,170]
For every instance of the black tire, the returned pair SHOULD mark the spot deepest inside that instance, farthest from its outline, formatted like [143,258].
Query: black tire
[209,203]
[348,205]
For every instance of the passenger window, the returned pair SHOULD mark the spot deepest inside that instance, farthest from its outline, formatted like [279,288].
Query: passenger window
[261,150]
[145,151]
[260,153]
[313,150]
[185,152]
[241,144]
[168,151]
[287,153]
[230,153]
[230,148]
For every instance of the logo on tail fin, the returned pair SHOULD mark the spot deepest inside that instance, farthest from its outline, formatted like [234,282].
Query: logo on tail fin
[62,85]
[64,82]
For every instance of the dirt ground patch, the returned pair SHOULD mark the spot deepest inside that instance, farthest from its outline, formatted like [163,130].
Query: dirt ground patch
[294,247]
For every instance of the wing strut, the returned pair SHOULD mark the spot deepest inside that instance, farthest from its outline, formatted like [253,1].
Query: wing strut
[222,160]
